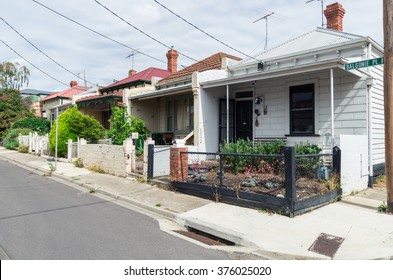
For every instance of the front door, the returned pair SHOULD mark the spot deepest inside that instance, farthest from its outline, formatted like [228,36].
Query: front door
[244,119]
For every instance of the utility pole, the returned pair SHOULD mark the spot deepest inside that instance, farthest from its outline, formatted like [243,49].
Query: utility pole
[388,98]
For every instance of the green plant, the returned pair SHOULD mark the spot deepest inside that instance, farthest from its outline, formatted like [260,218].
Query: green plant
[11,139]
[73,124]
[23,149]
[383,208]
[78,163]
[40,125]
[307,166]
[333,183]
[52,167]
[122,125]
[95,168]
[12,108]
[158,205]
[237,164]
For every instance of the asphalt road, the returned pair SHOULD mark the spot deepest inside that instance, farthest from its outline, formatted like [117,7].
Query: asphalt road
[43,219]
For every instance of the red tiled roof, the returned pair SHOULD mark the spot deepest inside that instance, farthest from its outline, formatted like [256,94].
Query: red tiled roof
[209,63]
[68,93]
[145,75]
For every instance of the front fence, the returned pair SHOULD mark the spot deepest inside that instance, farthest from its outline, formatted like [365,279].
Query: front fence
[285,183]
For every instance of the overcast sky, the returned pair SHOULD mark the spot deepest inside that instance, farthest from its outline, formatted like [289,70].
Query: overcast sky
[230,21]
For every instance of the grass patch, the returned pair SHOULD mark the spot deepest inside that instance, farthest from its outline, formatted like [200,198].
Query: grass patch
[383,208]
[96,168]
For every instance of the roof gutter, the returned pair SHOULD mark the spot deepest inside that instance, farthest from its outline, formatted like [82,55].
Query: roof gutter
[364,41]
[321,65]
[162,92]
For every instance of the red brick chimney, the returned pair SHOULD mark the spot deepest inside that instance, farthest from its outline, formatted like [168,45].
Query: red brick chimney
[334,14]
[131,72]
[73,83]
[172,56]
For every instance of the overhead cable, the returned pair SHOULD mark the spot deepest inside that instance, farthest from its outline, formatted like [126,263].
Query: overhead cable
[141,31]
[34,46]
[96,32]
[204,32]
[36,67]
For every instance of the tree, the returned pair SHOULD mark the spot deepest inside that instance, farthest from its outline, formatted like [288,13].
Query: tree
[13,76]
[74,124]
[12,108]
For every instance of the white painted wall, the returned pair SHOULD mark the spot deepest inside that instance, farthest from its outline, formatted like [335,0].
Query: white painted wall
[354,163]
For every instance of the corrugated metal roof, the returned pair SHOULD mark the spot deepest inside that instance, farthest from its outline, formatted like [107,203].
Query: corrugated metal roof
[317,38]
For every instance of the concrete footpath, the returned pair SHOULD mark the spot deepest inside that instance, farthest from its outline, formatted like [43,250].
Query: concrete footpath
[350,229]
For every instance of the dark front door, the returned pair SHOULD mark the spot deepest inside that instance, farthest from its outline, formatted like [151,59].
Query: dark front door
[244,119]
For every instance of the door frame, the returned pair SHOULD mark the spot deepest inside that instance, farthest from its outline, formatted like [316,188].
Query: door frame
[251,116]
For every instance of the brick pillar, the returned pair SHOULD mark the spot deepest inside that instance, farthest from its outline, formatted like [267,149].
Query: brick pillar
[178,164]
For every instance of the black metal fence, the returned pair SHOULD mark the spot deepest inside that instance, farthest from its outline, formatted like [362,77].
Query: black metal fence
[284,183]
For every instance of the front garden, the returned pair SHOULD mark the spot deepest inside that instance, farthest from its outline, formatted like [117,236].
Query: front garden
[290,180]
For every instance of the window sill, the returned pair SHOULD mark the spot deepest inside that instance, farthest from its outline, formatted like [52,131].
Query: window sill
[302,135]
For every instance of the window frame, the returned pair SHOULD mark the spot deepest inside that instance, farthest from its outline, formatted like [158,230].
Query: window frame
[171,116]
[299,89]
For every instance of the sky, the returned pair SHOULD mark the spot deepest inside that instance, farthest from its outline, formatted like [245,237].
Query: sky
[144,29]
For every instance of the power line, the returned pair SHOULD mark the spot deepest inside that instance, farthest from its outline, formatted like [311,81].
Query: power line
[141,31]
[96,32]
[42,71]
[204,32]
[34,46]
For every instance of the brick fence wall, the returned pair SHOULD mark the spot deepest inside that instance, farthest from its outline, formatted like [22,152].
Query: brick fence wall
[111,159]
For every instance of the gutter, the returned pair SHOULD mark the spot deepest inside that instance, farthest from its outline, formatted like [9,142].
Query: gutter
[161,92]
[269,74]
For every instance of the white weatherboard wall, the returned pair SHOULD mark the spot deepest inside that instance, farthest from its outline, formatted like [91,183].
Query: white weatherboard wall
[354,163]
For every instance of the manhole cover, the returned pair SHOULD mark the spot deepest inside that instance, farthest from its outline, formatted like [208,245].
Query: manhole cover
[326,244]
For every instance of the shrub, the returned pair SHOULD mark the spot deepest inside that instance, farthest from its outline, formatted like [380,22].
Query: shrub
[73,124]
[239,163]
[307,166]
[23,149]
[40,125]
[11,139]
[78,163]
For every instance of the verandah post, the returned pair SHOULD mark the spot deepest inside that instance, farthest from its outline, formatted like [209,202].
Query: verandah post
[290,178]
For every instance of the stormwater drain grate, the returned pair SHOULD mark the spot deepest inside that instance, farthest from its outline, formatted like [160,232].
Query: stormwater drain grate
[326,244]
[204,237]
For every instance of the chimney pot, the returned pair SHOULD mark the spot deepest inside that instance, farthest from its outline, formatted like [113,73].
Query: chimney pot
[131,72]
[73,83]
[172,56]
[334,14]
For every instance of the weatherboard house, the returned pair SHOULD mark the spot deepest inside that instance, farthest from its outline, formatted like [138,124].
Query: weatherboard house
[323,87]
[310,89]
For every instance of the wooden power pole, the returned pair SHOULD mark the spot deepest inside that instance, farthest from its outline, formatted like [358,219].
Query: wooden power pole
[388,95]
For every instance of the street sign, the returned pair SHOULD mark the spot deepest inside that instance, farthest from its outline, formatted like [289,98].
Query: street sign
[364,63]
